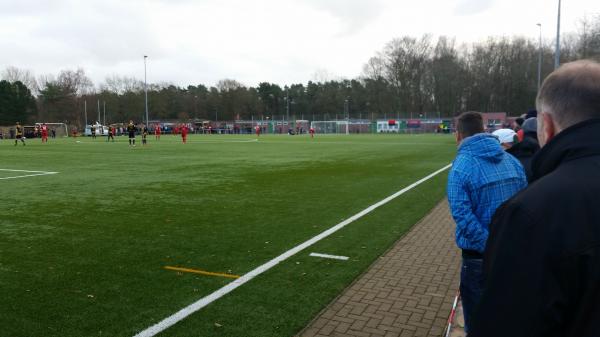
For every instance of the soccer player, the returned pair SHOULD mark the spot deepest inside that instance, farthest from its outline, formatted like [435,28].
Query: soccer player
[157,131]
[44,129]
[131,130]
[144,135]
[312,132]
[184,132]
[19,134]
[93,129]
[257,128]
[111,134]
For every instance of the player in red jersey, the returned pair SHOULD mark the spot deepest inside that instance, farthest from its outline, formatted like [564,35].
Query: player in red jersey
[44,130]
[184,132]
[257,129]
[157,131]
[312,132]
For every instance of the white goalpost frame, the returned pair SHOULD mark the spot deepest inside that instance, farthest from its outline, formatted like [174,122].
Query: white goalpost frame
[338,127]
[57,124]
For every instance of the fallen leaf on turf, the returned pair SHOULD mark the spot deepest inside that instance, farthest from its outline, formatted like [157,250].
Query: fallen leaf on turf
[218,325]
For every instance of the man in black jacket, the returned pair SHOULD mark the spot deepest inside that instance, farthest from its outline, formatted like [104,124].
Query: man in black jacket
[542,261]
[528,147]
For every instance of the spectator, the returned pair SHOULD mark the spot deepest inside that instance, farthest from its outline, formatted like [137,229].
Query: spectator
[507,137]
[482,177]
[542,262]
[518,124]
[529,146]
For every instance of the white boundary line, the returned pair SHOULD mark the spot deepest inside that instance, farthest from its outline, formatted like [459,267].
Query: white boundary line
[327,256]
[35,173]
[178,141]
[201,303]
[11,170]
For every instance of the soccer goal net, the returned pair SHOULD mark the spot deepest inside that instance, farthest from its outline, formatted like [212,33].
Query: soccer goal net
[60,129]
[341,127]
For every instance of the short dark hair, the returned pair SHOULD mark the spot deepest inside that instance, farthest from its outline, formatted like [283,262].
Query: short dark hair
[571,94]
[519,121]
[469,123]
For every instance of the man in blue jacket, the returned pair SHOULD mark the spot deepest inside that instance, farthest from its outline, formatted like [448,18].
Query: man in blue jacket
[482,177]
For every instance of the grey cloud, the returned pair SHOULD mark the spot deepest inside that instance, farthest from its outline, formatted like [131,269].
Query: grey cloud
[354,14]
[101,35]
[28,7]
[471,7]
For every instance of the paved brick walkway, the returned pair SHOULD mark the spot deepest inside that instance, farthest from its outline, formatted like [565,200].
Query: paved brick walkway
[408,292]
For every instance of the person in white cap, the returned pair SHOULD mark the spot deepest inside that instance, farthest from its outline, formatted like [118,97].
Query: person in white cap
[506,137]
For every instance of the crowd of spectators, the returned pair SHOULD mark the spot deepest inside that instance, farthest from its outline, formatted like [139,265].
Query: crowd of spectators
[531,246]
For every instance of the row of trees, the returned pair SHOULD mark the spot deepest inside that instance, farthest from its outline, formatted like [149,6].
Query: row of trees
[410,75]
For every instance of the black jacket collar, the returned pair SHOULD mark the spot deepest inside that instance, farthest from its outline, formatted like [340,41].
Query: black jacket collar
[577,141]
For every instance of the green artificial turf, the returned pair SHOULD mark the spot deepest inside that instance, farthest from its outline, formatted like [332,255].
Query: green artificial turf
[82,251]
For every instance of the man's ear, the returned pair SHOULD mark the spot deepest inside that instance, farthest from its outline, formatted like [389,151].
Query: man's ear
[458,136]
[547,129]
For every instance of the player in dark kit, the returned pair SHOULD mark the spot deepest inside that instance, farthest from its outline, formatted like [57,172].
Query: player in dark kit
[19,134]
[131,131]
[144,135]
[93,129]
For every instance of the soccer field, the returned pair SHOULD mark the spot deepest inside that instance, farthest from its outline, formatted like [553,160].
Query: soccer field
[85,239]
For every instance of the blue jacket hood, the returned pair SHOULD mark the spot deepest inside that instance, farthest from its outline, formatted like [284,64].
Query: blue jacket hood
[482,145]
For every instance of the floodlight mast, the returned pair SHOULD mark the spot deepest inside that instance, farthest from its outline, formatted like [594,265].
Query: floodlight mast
[540,59]
[347,113]
[146,89]
[557,50]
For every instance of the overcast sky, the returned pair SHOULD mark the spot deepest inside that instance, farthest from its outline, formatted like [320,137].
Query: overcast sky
[280,41]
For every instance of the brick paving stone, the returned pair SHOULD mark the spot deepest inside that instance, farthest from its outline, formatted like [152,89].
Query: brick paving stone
[407,292]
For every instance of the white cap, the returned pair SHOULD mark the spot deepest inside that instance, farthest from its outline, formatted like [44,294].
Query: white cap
[505,135]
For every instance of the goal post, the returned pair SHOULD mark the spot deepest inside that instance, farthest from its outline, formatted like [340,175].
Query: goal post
[61,129]
[342,127]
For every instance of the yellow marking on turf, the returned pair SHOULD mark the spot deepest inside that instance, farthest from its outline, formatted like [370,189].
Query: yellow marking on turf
[201,272]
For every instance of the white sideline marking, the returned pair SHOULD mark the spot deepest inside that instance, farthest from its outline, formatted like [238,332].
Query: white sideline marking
[10,170]
[327,256]
[201,303]
[35,173]
[152,141]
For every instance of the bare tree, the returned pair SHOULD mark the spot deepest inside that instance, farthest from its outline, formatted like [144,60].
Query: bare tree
[122,84]
[14,74]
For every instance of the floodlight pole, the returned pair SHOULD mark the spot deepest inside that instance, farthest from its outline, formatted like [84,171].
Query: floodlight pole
[557,50]
[104,112]
[287,106]
[347,113]
[540,60]
[146,89]
[85,112]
